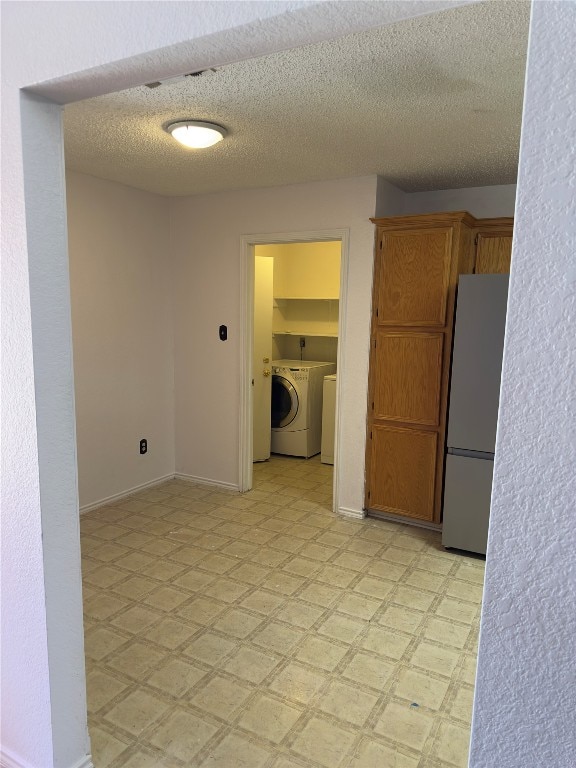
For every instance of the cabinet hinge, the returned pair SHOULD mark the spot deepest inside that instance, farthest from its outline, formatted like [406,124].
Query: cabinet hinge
[368,494]
[374,343]
[476,239]
[372,409]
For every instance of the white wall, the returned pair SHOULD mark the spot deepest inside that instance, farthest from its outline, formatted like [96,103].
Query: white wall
[206,234]
[122,325]
[482,202]
[27,731]
[389,199]
[524,710]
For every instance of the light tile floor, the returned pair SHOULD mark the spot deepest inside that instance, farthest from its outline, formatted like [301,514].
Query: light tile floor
[262,630]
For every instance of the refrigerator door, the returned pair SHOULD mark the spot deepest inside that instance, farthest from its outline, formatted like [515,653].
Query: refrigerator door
[467,494]
[477,361]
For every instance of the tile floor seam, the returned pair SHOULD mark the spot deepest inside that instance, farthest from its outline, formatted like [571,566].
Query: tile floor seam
[213,740]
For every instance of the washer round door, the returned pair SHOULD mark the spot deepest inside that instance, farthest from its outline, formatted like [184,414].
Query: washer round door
[284,402]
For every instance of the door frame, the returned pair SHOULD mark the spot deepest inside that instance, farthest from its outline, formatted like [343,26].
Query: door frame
[247,243]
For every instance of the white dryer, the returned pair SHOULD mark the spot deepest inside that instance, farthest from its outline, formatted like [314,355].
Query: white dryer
[297,406]
[328,419]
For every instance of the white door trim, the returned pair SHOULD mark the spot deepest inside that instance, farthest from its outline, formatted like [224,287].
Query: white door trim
[247,243]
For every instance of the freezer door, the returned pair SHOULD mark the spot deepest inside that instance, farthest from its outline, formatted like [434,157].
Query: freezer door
[477,362]
[467,503]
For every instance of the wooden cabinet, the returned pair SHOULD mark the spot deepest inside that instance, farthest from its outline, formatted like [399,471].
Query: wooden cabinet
[414,275]
[403,470]
[493,246]
[418,260]
[407,381]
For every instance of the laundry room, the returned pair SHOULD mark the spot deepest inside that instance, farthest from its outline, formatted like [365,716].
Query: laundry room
[295,352]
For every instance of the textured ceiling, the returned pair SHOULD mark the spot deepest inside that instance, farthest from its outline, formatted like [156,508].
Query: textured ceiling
[430,103]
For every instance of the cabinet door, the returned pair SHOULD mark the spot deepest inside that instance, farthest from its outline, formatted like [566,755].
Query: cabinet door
[414,272]
[493,254]
[402,471]
[408,372]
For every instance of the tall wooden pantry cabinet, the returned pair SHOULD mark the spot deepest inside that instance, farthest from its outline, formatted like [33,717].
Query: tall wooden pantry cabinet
[418,260]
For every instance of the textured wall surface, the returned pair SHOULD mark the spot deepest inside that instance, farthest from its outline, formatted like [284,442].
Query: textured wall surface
[37,431]
[122,324]
[524,709]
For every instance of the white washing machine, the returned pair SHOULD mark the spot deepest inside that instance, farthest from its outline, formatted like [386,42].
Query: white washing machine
[297,406]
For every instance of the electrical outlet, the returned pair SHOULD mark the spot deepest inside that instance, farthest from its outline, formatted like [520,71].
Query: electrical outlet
[143,446]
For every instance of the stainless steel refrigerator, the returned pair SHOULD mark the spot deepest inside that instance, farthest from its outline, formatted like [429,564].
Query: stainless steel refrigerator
[473,409]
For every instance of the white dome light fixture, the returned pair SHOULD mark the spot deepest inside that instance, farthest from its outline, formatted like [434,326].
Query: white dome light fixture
[196,134]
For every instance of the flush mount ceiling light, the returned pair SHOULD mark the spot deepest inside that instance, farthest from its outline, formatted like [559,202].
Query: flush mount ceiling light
[195,133]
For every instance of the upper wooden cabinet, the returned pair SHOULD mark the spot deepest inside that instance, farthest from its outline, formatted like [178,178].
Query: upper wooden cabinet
[493,246]
[417,263]
[414,276]
[493,254]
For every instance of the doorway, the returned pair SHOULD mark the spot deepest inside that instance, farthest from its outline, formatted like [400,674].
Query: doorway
[286,342]
[296,297]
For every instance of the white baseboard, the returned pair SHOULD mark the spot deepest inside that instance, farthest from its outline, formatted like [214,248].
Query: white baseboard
[358,514]
[208,481]
[9,760]
[86,762]
[124,494]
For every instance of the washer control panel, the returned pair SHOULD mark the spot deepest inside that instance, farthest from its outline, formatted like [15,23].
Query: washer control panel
[296,374]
